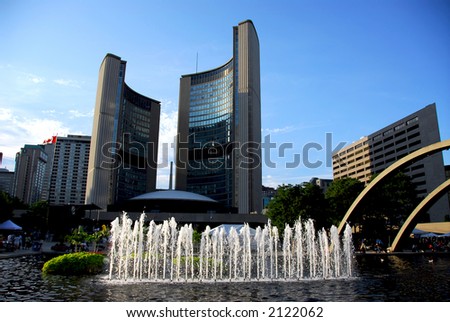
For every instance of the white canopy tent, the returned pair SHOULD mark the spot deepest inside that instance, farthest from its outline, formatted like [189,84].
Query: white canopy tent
[9,225]
[227,228]
[429,235]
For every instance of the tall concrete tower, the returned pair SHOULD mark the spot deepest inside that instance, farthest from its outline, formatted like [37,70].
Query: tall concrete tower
[219,128]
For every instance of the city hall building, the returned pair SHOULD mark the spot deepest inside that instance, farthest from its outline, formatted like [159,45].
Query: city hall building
[124,143]
[219,128]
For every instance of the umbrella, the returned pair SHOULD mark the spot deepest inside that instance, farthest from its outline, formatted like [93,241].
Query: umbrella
[9,225]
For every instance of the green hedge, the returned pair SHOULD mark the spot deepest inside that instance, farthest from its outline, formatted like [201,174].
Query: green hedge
[82,263]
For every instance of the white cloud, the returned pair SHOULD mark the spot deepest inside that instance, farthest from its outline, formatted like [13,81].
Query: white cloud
[163,179]
[167,132]
[166,150]
[34,79]
[20,87]
[79,114]
[67,82]
[51,112]
[18,130]
[286,129]
[270,181]
[5,114]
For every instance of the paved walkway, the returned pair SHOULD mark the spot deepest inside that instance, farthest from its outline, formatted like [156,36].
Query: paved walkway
[45,248]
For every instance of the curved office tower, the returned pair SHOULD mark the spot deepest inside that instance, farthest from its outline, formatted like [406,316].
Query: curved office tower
[124,144]
[219,128]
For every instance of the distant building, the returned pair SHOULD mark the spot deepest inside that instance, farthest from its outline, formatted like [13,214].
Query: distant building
[124,144]
[31,163]
[6,180]
[323,184]
[374,153]
[68,165]
[219,126]
[267,195]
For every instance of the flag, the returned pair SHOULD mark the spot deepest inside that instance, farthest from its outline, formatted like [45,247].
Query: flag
[52,140]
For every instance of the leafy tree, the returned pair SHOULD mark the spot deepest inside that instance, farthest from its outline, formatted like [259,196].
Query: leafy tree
[37,216]
[6,206]
[302,201]
[387,206]
[314,206]
[285,206]
[78,237]
[340,195]
[97,236]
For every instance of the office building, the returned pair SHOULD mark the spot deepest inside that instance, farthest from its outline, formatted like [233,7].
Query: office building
[268,193]
[29,173]
[374,153]
[219,128]
[323,184]
[6,180]
[124,142]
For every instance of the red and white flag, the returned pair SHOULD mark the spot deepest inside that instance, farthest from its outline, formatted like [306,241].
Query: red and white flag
[52,140]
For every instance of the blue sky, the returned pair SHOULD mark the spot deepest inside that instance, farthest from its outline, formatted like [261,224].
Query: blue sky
[342,67]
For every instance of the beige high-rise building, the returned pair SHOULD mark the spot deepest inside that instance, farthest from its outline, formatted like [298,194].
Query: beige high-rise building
[124,143]
[66,172]
[372,154]
[219,128]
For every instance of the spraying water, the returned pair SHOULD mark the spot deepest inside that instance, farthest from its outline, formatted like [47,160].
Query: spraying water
[164,252]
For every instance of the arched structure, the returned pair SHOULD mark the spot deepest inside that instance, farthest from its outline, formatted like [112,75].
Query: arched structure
[421,207]
[411,158]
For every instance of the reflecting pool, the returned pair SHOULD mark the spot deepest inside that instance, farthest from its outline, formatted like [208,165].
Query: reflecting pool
[380,277]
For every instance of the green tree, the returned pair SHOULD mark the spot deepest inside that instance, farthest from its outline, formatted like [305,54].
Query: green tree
[314,206]
[340,195]
[6,206]
[78,237]
[37,216]
[301,201]
[387,206]
[97,236]
[285,206]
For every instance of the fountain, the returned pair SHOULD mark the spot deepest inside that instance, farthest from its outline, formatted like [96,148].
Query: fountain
[164,252]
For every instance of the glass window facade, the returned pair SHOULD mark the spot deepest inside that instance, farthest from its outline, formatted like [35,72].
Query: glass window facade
[135,144]
[211,114]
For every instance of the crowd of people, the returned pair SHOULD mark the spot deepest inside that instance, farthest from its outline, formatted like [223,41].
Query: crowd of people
[432,244]
[418,244]
[18,240]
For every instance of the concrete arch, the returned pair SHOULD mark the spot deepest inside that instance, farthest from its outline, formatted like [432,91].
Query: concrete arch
[409,224]
[410,158]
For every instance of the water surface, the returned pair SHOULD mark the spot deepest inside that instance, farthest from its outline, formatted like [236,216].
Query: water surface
[409,277]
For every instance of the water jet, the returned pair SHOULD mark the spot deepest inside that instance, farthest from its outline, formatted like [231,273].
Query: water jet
[166,252]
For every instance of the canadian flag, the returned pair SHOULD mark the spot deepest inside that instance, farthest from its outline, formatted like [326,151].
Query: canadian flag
[52,140]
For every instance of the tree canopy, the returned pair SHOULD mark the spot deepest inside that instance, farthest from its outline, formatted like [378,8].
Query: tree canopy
[380,214]
[340,195]
[387,206]
[7,205]
[293,202]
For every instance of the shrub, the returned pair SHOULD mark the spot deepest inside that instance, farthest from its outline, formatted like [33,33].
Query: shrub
[82,263]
